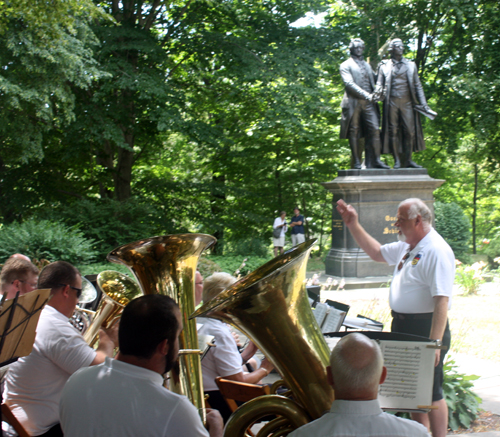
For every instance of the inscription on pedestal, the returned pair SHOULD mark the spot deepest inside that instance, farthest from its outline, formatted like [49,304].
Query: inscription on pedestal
[375,194]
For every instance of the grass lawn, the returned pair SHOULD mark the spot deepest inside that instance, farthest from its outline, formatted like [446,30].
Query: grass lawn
[474,320]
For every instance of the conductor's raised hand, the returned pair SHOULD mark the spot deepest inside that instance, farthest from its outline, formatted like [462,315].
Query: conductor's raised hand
[347,212]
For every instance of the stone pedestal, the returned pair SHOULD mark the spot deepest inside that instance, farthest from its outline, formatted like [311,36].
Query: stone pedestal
[375,194]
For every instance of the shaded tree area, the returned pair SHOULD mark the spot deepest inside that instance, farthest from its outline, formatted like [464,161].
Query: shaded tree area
[214,115]
[136,117]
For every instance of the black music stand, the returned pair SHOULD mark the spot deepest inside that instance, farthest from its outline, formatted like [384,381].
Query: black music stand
[18,321]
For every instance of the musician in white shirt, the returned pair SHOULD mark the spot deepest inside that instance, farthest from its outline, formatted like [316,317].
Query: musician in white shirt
[356,370]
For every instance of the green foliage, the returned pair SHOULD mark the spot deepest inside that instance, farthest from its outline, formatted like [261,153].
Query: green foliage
[232,264]
[463,403]
[491,248]
[96,268]
[45,49]
[249,247]
[46,240]
[470,278]
[111,223]
[206,266]
[453,226]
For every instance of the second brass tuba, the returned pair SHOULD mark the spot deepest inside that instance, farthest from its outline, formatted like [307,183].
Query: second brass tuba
[271,307]
[167,265]
[117,291]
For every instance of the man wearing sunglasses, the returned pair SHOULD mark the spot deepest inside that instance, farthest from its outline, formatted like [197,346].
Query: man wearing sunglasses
[34,383]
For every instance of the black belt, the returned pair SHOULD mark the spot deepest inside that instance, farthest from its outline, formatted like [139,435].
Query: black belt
[416,316]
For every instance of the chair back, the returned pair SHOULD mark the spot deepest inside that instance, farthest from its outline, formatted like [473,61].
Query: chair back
[9,417]
[233,391]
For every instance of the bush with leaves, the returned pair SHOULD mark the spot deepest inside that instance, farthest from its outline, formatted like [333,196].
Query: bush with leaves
[111,223]
[463,403]
[249,247]
[453,225]
[470,278]
[46,240]
[234,263]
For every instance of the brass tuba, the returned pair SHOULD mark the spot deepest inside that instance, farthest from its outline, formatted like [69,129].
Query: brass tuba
[167,265]
[271,307]
[117,291]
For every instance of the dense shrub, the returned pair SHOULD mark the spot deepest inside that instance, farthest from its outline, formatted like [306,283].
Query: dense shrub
[233,263]
[453,225]
[111,223]
[206,266]
[248,247]
[46,240]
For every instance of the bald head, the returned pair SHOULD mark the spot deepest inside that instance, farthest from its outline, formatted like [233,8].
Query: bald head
[357,367]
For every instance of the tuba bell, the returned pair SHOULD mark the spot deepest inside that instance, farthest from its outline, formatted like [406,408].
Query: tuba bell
[167,265]
[270,306]
[117,291]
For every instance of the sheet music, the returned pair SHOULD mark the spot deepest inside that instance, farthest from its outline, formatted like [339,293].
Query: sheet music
[320,312]
[333,321]
[410,375]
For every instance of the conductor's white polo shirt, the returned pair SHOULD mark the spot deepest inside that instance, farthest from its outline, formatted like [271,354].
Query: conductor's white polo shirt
[429,271]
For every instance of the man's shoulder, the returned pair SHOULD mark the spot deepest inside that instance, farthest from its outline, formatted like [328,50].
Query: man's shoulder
[399,425]
[347,63]
[439,244]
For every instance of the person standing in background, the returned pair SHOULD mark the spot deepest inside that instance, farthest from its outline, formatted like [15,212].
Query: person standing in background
[279,237]
[297,225]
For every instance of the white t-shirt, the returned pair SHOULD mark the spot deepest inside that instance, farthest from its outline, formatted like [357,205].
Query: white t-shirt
[221,360]
[120,399]
[360,419]
[279,222]
[429,271]
[34,383]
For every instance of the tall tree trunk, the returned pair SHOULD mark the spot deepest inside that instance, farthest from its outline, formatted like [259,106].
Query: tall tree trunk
[474,211]
[218,197]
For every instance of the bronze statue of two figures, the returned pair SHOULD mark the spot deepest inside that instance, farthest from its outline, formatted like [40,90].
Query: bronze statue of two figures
[397,85]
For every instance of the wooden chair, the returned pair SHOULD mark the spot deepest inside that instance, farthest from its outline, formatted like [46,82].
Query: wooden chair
[233,391]
[8,417]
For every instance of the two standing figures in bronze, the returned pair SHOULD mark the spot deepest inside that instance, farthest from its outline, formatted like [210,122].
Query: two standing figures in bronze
[398,86]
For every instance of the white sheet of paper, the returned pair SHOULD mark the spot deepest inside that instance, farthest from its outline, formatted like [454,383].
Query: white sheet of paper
[410,375]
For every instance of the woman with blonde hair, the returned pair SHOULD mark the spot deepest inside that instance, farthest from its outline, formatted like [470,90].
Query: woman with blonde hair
[224,359]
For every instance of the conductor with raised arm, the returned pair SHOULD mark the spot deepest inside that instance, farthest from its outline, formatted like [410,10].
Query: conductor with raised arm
[421,288]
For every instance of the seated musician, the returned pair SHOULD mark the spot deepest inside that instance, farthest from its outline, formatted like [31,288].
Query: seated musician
[356,370]
[125,396]
[18,274]
[224,359]
[34,383]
